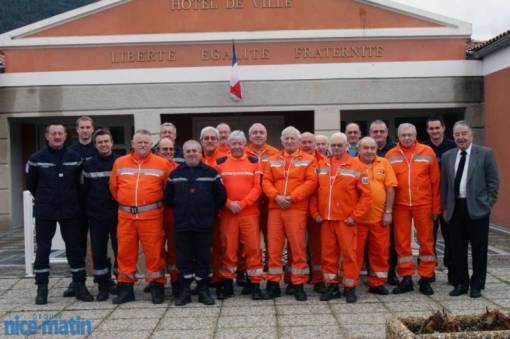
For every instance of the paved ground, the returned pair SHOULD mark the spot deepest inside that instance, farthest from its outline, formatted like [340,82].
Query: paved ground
[241,317]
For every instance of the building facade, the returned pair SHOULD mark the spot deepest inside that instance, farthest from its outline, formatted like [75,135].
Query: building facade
[316,65]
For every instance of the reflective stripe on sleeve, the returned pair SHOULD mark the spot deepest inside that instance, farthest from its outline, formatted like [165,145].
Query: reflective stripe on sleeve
[105,174]
[209,179]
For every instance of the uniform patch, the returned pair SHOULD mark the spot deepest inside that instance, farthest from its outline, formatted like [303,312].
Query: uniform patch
[364,180]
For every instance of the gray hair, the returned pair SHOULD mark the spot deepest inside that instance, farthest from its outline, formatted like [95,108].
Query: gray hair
[461,123]
[378,122]
[209,129]
[339,135]
[291,129]
[366,139]
[307,133]
[142,132]
[237,134]
[322,136]
[168,124]
[190,143]
[406,125]
[353,124]
[257,124]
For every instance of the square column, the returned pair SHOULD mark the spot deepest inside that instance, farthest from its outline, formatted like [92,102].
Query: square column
[327,120]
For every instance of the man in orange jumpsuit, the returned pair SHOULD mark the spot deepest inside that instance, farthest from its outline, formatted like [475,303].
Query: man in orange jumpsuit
[166,150]
[209,139]
[289,180]
[137,183]
[343,197]
[322,144]
[374,226]
[239,219]
[417,199]
[224,132]
[308,145]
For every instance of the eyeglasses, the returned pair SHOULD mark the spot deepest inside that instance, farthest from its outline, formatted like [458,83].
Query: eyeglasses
[166,148]
[337,145]
[210,138]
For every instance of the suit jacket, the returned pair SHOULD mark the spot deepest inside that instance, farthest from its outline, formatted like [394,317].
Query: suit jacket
[482,182]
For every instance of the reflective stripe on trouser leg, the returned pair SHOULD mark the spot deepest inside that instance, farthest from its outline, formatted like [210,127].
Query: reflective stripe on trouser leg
[379,253]
[330,252]
[402,219]
[151,236]
[314,243]
[347,236]
[294,222]
[275,244]
[127,242]
[249,235]
[424,230]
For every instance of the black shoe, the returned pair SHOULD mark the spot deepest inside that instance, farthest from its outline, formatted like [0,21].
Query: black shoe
[273,289]
[257,293]
[125,294]
[104,291]
[299,293]
[475,293]
[184,296]
[175,289]
[350,295]
[69,292]
[147,289]
[392,279]
[319,288]
[204,296]
[425,287]
[42,294]
[157,292]
[246,289]
[242,279]
[290,289]
[458,290]
[225,290]
[332,292]
[406,285]
[379,290]
[451,279]
[82,293]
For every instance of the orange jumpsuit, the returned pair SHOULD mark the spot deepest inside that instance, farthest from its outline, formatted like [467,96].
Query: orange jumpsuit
[241,178]
[137,185]
[168,223]
[370,228]
[417,198]
[344,191]
[289,175]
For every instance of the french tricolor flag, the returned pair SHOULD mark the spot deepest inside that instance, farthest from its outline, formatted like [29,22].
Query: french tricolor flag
[235,82]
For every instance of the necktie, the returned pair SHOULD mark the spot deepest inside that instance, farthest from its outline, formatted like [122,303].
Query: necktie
[460,170]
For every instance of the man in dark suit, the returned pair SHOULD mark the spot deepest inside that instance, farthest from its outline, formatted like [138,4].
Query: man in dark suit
[469,188]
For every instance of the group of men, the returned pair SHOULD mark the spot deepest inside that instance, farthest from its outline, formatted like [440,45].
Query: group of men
[199,210]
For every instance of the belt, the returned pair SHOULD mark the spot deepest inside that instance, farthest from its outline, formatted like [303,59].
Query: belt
[139,209]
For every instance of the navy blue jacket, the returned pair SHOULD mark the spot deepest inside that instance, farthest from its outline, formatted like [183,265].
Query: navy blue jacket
[195,194]
[389,145]
[95,178]
[53,178]
[85,151]
[446,145]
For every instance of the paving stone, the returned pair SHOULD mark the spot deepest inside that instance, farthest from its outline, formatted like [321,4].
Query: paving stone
[183,334]
[307,332]
[183,312]
[37,315]
[245,301]
[6,283]
[247,310]
[93,305]
[300,319]
[36,308]
[505,303]
[411,306]
[246,333]
[247,322]
[290,300]
[359,308]
[364,318]
[90,314]
[120,334]
[128,325]
[199,323]
[306,309]
[142,304]
[419,314]
[136,313]
[366,331]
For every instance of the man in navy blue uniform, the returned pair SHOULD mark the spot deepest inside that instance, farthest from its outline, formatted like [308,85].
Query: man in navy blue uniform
[436,131]
[196,194]
[85,148]
[53,177]
[101,209]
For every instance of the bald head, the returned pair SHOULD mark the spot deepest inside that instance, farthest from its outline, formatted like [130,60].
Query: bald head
[307,142]
[338,144]
[367,150]
[321,144]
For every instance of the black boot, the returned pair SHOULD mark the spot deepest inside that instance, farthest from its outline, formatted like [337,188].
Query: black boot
[246,289]
[69,292]
[125,295]
[319,288]
[350,295]
[392,278]
[104,290]
[204,296]
[406,285]
[184,296]
[332,292]
[42,294]
[175,289]
[81,292]
[242,279]
[299,293]
[157,292]
[273,289]
[225,290]
[147,288]
[425,287]
[290,289]
[257,293]
[112,286]
[379,290]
